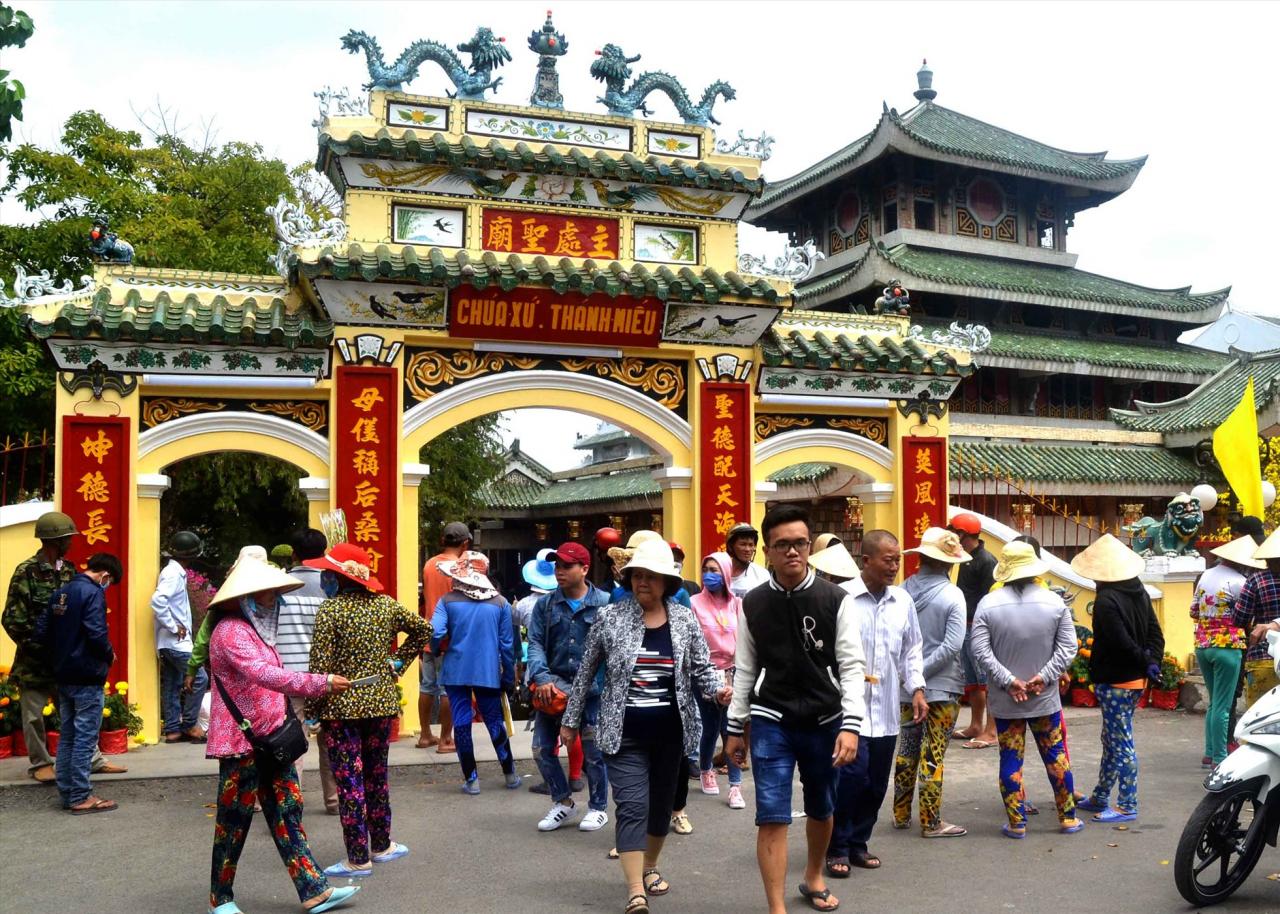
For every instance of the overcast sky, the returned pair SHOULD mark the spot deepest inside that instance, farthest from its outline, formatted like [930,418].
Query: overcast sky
[1189,84]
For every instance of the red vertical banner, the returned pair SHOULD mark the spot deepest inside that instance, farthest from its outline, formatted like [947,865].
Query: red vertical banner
[724,477]
[95,494]
[924,492]
[367,436]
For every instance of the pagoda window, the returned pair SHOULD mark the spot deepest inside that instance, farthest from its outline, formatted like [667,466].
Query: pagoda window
[890,219]
[1046,235]
[926,215]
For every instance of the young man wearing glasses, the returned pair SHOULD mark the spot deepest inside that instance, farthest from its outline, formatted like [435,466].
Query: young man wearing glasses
[799,683]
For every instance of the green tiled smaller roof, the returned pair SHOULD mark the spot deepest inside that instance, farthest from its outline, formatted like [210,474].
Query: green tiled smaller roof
[452,268]
[801,473]
[1110,353]
[209,318]
[608,437]
[1094,463]
[856,351]
[583,490]
[436,148]
[1208,405]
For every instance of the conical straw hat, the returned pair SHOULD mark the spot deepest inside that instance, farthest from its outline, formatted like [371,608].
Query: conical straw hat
[836,561]
[1107,559]
[1240,552]
[1270,548]
[249,576]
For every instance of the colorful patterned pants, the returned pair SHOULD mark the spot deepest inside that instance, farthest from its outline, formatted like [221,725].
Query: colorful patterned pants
[921,750]
[1048,734]
[1259,679]
[239,782]
[357,751]
[1119,766]
[489,701]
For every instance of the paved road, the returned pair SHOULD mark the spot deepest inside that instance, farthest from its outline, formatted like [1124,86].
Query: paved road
[475,855]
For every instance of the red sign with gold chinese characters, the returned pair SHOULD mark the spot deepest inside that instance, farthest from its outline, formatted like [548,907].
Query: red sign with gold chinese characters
[924,491]
[540,315]
[521,232]
[724,478]
[95,494]
[368,440]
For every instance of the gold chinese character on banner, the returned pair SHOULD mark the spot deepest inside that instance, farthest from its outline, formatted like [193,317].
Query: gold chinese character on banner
[924,463]
[725,521]
[725,496]
[924,493]
[600,243]
[365,430]
[367,528]
[375,557]
[366,494]
[368,397]
[365,462]
[568,242]
[97,531]
[722,438]
[94,487]
[531,233]
[722,465]
[920,525]
[499,234]
[724,406]
[97,447]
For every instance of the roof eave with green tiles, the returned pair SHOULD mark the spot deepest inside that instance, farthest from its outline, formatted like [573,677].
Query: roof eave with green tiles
[191,318]
[843,353]
[1069,464]
[1208,405]
[622,486]
[437,149]
[1006,279]
[450,268]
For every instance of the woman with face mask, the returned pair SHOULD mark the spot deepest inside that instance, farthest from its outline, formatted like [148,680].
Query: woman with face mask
[717,611]
[355,634]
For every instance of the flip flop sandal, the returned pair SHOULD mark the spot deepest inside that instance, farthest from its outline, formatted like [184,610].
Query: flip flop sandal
[341,869]
[96,806]
[1091,805]
[636,904]
[946,830]
[1017,834]
[978,744]
[1115,815]
[814,897]
[833,862]
[613,853]
[654,884]
[865,860]
[337,899]
[1070,826]
[1030,808]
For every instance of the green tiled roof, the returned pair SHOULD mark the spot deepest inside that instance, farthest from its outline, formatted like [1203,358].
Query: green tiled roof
[263,321]
[1095,463]
[801,473]
[817,349]
[609,437]
[1136,354]
[437,148]
[452,268]
[613,487]
[1208,405]
[957,135]
[979,273]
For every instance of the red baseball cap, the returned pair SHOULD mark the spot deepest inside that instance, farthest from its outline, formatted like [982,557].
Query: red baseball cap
[571,554]
[676,548]
[966,523]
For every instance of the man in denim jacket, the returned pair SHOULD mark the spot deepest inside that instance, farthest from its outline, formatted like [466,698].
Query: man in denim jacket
[557,634]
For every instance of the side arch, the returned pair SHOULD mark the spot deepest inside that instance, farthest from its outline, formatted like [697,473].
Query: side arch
[206,433]
[870,460]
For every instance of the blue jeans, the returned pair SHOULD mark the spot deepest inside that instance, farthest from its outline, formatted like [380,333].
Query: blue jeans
[715,718]
[179,712]
[860,790]
[546,733]
[776,752]
[80,707]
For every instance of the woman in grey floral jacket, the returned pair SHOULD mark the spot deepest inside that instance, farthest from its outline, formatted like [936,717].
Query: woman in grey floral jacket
[654,654]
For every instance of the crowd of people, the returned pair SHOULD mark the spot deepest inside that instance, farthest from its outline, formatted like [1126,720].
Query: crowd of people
[820,665]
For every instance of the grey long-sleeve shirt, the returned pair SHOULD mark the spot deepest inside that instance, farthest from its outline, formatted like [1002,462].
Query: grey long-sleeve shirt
[940,607]
[1017,635]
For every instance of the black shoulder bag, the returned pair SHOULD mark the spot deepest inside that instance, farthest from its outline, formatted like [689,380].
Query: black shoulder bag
[282,746]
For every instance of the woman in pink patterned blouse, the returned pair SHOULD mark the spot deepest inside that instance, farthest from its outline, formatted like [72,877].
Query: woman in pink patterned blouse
[244,664]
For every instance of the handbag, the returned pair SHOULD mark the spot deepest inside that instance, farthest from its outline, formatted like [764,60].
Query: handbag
[553,706]
[282,746]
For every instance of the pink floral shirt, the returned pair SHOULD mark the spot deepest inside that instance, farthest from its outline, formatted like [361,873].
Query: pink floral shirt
[251,673]
[1215,597]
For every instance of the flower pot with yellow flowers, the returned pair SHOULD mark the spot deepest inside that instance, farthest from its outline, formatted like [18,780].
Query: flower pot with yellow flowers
[52,724]
[120,720]
[10,714]
[1166,692]
[1080,692]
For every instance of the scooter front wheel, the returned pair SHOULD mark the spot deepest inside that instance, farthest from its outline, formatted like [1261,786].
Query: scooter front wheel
[1220,845]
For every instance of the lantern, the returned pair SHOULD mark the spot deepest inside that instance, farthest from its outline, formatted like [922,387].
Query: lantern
[575,529]
[655,522]
[853,515]
[617,522]
[540,532]
[1024,514]
[1206,494]
[1268,494]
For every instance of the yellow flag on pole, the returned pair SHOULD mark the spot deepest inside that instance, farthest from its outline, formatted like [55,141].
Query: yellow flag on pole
[1235,445]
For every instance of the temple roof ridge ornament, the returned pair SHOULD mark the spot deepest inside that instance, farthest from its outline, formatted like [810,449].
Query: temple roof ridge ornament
[341,103]
[33,288]
[296,228]
[549,45]
[924,79]
[756,147]
[969,337]
[612,68]
[795,264]
[486,50]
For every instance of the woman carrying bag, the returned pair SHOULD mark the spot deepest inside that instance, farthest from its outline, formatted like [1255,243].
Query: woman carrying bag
[250,716]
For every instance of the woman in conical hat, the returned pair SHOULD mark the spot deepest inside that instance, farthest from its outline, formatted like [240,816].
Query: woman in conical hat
[1128,646]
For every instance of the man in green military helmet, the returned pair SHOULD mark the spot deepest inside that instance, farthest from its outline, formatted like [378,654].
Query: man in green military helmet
[33,582]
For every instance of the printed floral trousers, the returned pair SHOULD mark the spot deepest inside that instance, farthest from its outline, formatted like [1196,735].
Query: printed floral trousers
[357,752]
[240,781]
[1119,766]
[1051,743]
[921,749]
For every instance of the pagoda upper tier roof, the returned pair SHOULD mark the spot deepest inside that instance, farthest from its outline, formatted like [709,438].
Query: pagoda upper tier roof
[931,131]
[1070,463]
[452,268]
[437,148]
[1007,279]
[817,339]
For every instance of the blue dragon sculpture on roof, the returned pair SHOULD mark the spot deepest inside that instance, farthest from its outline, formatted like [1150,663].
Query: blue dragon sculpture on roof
[486,50]
[612,67]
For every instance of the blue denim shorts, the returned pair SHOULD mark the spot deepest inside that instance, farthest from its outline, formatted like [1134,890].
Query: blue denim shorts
[776,752]
[973,674]
[428,676]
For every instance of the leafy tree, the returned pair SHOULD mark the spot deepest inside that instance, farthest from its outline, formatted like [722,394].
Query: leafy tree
[462,460]
[15,28]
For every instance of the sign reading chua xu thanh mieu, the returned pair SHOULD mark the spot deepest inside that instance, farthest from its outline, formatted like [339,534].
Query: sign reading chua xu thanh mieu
[529,315]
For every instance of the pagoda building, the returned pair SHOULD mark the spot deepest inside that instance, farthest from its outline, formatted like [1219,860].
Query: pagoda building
[974,221]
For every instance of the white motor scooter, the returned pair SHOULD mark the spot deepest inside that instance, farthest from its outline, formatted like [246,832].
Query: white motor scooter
[1223,839]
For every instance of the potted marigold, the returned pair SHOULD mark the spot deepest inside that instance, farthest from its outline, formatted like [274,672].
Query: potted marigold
[10,714]
[52,724]
[1080,692]
[120,720]
[1165,693]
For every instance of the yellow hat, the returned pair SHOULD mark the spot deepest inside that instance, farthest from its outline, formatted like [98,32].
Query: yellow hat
[1240,552]
[1270,548]
[942,545]
[1018,562]
[1107,559]
[835,561]
[621,555]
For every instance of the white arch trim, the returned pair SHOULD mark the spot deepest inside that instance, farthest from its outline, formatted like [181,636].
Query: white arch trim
[223,423]
[820,437]
[570,382]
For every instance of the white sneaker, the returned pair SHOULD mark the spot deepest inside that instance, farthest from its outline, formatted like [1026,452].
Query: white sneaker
[735,797]
[559,815]
[594,820]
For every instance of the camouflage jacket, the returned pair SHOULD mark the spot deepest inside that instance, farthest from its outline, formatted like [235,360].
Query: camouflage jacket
[33,582]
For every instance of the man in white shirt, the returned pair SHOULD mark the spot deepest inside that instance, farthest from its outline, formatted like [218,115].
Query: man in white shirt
[894,654]
[172,609]
[742,544]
